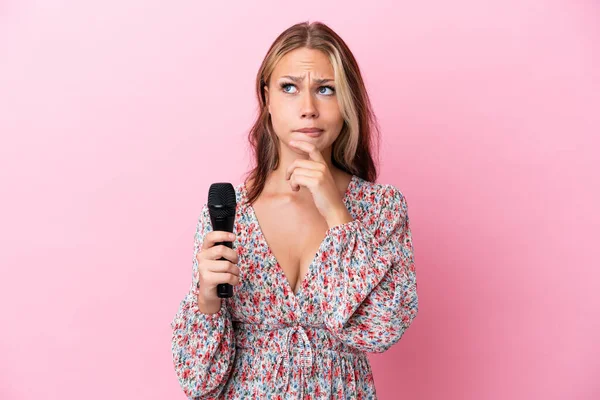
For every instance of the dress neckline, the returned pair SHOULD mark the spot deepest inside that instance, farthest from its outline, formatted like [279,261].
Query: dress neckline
[271,255]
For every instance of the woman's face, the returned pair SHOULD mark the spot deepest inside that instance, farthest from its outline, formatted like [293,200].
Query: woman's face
[301,94]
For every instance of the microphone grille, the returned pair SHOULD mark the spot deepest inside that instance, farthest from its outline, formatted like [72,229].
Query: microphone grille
[221,199]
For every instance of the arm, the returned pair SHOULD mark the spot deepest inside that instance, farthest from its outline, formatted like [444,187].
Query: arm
[203,345]
[372,288]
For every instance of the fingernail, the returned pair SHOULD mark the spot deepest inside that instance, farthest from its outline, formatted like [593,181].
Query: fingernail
[231,235]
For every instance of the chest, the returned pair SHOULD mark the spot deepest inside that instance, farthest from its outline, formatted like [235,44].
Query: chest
[293,233]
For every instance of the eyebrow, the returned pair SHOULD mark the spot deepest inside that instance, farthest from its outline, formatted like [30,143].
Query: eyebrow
[300,79]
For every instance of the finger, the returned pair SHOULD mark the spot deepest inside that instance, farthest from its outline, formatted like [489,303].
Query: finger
[216,278]
[298,172]
[301,180]
[311,173]
[311,149]
[222,266]
[213,237]
[306,164]
[220,251]
[293,184]
[229,278]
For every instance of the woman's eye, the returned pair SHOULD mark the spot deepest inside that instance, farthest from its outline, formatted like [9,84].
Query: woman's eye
[284,86]
[322,90]
[327,88]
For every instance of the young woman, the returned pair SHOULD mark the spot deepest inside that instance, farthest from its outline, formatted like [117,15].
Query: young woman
[322,260]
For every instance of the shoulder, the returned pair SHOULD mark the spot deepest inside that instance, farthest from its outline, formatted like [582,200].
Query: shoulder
[379,195]
[239,192]
[381,207]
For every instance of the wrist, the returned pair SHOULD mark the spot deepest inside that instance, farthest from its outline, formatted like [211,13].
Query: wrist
[338,217]
[208,306]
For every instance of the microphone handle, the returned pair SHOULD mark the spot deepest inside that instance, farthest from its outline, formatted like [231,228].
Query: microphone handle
[224,289]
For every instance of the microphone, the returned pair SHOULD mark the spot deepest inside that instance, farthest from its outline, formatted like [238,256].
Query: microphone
[221,207]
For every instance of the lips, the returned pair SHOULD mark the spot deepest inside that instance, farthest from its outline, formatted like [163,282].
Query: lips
[310,131]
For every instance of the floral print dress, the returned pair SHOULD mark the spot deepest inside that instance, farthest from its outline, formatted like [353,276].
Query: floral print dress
[359,295]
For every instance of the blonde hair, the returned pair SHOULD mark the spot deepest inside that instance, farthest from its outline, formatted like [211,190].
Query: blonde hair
[352,150]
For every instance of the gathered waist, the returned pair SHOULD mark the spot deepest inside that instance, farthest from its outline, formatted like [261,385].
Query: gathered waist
[293,351]
[280,338]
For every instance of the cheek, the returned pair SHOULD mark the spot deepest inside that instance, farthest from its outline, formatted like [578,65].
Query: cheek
[332,111]
[282,111]
[281,115]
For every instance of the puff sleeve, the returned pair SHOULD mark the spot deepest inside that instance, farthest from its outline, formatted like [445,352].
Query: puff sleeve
[203,345]
[371,280]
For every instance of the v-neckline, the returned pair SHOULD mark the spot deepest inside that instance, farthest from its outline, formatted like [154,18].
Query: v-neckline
[270,253]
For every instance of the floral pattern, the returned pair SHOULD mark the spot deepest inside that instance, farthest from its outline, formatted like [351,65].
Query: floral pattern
[358,296]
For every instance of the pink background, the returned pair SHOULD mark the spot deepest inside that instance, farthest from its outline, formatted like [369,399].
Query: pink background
[116,116]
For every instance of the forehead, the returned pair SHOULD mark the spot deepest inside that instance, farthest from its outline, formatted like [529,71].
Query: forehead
[299,61]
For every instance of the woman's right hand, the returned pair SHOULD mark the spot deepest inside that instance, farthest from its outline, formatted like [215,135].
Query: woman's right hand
[213,271]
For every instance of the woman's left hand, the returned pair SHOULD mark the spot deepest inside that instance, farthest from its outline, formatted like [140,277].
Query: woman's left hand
[316,176]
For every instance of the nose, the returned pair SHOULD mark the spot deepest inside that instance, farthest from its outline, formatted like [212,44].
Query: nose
[309,108]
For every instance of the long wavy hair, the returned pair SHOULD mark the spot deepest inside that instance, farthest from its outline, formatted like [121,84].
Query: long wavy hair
[358,140]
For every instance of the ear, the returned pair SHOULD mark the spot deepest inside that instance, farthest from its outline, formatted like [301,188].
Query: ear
[267,98]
